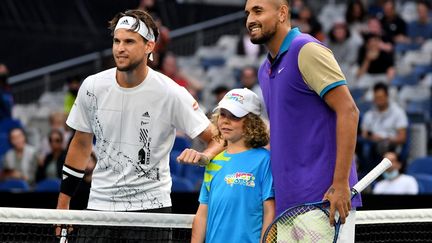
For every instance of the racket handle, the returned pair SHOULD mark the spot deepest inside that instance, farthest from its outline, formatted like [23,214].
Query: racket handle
[63,238]
[372,175]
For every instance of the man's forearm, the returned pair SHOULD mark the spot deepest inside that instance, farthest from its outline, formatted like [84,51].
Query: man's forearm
[213,148]
[63,201]
[346,133]
[73,170]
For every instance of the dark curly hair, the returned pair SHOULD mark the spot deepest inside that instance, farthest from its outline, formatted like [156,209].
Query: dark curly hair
[255,131]
[137,14]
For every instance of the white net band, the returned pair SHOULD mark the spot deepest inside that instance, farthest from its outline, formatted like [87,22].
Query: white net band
[77,217]
[394,216]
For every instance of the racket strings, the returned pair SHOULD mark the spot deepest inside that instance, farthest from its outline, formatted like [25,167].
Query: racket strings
[302,224]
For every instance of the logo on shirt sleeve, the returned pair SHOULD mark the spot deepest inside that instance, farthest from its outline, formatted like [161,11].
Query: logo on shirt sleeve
[195,105]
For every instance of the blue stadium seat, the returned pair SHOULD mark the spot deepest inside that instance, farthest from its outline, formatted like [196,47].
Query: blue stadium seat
[180,184]
[400,81]
[418,107]
[420,166]
[181,143]
[364,106]
[176,168]
[4,145]
[7,124]
[14,185]
[194,174]
[206,63]
[424,182]
[48,185]
[357,93]
[404,153]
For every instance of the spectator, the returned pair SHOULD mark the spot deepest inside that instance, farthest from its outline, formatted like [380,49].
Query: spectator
[162,43]
[383,127]
[418,31]
[6,100]
[296,7]
[171,69]
[147,6]
[57,121]
[219,92]
[374,27]
[372,60]
[393,25]
[249,79]
[21,160]
[343,45]
[355,16]
[395,182]
[73,84]
[308,23]
[53,162]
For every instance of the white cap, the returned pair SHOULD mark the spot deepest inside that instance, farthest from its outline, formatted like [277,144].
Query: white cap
[240,102]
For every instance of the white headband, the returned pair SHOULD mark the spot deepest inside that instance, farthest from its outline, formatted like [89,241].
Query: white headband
[126,22]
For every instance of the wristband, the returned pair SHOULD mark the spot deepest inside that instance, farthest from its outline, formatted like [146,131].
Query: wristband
[71,179]
[204,160]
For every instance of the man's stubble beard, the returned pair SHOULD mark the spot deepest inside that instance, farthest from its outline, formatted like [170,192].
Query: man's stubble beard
[265,37]
[129,67]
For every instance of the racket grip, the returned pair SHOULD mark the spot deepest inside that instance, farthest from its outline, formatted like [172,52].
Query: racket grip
[372,175]
[63,238]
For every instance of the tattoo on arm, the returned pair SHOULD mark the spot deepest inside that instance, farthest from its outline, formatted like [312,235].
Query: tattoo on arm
[331,190]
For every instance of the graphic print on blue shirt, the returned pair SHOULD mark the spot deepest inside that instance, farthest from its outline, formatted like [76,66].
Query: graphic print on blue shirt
[240,178]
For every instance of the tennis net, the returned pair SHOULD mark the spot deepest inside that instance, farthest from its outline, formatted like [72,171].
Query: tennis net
[408,225]
[49,225]
[38,225]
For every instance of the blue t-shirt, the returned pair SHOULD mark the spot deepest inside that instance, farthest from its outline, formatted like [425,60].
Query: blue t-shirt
[235,187]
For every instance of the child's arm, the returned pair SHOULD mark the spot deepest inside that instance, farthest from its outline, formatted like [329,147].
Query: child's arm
[199,224]
[269,214]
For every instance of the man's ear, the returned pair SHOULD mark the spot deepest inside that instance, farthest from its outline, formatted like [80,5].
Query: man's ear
[149,46]
[283,14]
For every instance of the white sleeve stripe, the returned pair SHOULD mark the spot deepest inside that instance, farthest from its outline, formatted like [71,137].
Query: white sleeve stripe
[72,172]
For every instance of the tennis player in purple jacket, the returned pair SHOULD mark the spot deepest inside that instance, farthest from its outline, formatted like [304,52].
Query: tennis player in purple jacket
[313,118]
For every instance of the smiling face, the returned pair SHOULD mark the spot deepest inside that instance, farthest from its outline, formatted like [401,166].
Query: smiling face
[262,20]
[129,50]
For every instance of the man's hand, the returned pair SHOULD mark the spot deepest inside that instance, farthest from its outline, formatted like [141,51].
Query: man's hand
[340,200]
[62,203]
[191,156]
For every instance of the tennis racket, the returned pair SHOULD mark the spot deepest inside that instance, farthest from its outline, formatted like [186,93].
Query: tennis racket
[310,222]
